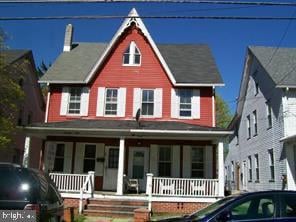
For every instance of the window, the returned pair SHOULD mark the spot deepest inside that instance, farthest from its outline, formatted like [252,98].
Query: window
[255,123]
[253,208]
[197,162]
[232,171]
[111,102]
[147,102]
[59,158]
[164,161]
[257,167]
[185,102]
[132,55]
[256,90]
[20,118]
[74,100]
[113,158]
[288,203]
[249,126]
[250,168]
[271,164]
[89,161]
[268,113]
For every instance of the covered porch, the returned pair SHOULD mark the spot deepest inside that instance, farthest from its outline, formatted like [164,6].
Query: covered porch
[171,161]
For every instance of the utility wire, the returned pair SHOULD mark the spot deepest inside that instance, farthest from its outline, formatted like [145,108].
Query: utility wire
[158,1]
[92,17]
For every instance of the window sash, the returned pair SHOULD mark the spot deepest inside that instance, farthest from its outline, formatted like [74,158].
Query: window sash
[249,126]
[197,162]
[111,101]
[250,168]
[74,100]
[269,117]
[113,158]
[89,160]
[271,163]
[59,158]
[185,103]
[132,55]
[257,167]
[255,122]
[165,161]
[147,102]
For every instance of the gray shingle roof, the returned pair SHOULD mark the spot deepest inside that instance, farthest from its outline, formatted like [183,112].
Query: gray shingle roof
[282,67]
[191,63]
[126,125]
[188,63]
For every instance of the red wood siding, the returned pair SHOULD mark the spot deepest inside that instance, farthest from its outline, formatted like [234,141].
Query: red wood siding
[149,75]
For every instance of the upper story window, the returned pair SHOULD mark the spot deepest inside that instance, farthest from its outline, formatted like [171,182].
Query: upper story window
[256,88]
[111,101]
[147,102]
[255,123]
[132,55]
[59,158]
[248,127]
[271,164]
[74,101]
[268,113]
[89,161]
[185,103]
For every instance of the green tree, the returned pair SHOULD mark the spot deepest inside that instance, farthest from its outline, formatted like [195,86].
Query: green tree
[223,115]
[11,96]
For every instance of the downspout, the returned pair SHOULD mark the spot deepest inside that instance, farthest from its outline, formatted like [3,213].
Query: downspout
[213,108]
[47,104]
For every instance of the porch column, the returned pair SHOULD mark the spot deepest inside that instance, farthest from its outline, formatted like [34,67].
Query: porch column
[26,157]
[220,170]
[119,190]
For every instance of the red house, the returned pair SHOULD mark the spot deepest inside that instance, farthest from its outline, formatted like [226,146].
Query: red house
[137,114]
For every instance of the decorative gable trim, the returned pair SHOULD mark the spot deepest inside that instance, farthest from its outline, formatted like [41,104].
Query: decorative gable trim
[133,17]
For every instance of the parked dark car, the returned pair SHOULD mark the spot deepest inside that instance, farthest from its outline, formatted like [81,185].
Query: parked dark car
[253,206]
[28,189]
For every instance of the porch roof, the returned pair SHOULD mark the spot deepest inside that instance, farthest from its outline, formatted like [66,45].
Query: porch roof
[127,128]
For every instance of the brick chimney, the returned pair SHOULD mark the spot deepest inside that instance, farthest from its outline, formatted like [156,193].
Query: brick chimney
[68,38]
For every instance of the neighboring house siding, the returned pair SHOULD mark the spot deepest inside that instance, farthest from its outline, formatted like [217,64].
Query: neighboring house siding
[289,103]
[266,138]
[149,75]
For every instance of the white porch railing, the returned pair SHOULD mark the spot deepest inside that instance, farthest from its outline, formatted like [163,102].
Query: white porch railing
[78,183]
[184,187]
[69,182]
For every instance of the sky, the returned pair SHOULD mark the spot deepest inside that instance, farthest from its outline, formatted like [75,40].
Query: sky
[228,39]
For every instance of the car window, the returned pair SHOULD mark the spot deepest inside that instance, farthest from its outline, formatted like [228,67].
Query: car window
[255,207]
[288,205]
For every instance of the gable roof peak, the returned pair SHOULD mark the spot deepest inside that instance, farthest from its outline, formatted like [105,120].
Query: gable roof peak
[133,13]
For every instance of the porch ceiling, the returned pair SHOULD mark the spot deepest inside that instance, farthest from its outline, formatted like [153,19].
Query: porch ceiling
[128,129]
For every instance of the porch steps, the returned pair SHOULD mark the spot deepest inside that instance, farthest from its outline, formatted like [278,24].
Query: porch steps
[112,207]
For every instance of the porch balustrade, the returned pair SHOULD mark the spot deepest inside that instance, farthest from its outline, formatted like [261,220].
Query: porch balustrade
[184,187]
[70,182]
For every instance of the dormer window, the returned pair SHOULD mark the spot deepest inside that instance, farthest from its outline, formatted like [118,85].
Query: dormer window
[132,55]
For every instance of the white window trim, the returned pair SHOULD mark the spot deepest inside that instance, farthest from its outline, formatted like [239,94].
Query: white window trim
[271,163]
[250,170]
[268,113]
[132,46]
[255,123]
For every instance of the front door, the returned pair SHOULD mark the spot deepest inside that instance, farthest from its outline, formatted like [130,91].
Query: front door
[111,168]
[138,165]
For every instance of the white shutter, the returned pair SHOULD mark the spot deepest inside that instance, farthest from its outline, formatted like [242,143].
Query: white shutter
[208,162]
[100,101]
[121,102]
[175,103]
[136,101]
[176,161]
[154,159]
[64,100]
[84,101]
[195,106]
[68,157]
[186,161]
[158,103]
[79,157]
